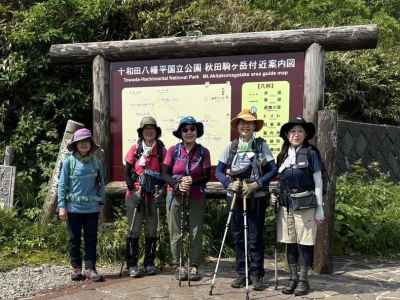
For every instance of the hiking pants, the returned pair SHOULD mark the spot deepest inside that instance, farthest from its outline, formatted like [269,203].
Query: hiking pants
[196,218]
[88,223]
[255,235]
[145,213]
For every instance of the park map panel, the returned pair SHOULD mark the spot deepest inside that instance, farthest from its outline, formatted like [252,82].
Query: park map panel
[211,89]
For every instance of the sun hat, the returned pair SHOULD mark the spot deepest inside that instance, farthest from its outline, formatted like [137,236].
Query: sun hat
[189,120]
[248,116]
[309,128]
[80,135]
[148,121]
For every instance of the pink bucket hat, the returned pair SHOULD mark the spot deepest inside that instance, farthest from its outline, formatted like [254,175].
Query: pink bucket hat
[80,135]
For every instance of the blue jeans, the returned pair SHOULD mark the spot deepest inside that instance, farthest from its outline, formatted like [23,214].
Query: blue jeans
[88,223]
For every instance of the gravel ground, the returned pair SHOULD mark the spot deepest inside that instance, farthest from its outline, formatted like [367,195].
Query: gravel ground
[23,282]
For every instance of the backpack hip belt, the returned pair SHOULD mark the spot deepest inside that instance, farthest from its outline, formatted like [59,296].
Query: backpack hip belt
[299,201]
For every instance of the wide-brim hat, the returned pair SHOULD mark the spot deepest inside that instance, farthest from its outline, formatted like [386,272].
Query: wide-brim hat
[248,116]
[309,128]
[148,121]
[80,135]
[189,121]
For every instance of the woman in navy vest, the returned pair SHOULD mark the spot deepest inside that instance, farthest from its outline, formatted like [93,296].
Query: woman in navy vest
[299,169]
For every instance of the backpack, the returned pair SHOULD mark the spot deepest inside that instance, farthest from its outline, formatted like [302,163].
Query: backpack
[324,173]
[256,147]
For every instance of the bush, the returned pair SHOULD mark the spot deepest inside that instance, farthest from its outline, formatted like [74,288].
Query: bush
[367,213]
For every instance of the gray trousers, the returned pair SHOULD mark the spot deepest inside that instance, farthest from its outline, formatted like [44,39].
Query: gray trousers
[146,213]
[196,218]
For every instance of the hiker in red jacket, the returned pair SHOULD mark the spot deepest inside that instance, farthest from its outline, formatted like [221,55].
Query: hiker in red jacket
[144,189]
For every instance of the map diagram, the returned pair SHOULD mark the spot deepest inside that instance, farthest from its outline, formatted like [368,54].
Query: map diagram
[208,103]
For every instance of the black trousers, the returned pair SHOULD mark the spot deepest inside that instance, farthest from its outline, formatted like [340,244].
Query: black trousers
[88,223]
[255,237]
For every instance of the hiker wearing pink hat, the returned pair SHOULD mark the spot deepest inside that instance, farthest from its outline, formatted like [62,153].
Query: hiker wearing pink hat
[80,196]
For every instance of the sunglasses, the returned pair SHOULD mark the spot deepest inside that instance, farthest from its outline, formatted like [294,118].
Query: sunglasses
[188,128]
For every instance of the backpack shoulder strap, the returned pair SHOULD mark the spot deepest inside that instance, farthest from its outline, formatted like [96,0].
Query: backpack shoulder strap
[71,164]
[139,149]
[160,150]
[200,150]
[232,151]
[177,152]
[258,144]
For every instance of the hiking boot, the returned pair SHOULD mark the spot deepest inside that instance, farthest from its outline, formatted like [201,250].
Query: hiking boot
[183,273]
[151,270]
[92,275]
[258,283]
[76,274]
[302,287]
[239,282]
[135,272]
[293,280]
[194,274]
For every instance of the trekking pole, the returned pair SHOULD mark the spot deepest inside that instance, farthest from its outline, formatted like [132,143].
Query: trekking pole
[129,234]
[181,238]
[156,198]
[274,189]
[223,242]
[189,244]
[245,246]
[276,247]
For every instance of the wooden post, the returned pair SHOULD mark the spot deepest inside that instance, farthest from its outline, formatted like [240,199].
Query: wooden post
[101,117]
[327,145]
[49,205]
[8,156]
[7,179]
[314,82]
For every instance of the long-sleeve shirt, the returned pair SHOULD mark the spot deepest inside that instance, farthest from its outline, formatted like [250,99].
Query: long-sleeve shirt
[81,184]
[188,164]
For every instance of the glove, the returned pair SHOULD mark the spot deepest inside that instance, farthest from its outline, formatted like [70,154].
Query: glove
[158,196]
[183,187]
[234,186]
[274,199]
[187,180]
[319,214]
[128,194]
[133,197]
[249,188]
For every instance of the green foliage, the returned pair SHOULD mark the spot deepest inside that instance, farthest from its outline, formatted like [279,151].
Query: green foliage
[367,213]
[361,85]
[23,240]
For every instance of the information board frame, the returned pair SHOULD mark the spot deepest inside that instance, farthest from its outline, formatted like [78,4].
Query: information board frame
[261,69]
